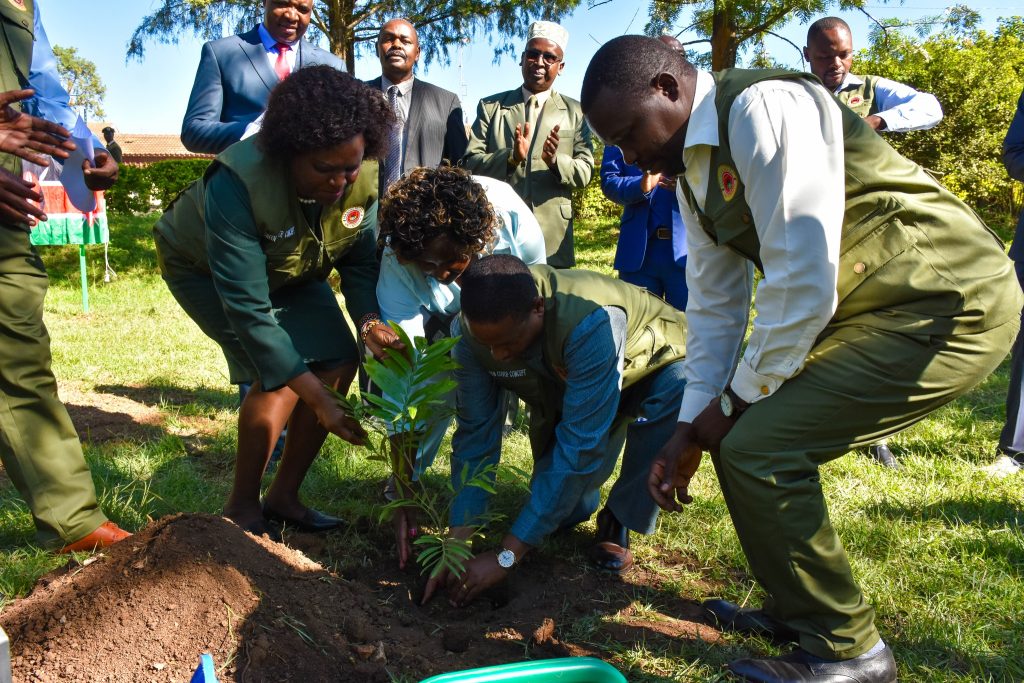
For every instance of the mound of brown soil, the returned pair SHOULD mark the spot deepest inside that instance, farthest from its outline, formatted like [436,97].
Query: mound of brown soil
[188,584]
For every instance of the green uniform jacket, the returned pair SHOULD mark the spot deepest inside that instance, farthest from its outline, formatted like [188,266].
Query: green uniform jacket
[862,98]
[547,192]
[913,257]
[656,336]
[18,31]
[294,250]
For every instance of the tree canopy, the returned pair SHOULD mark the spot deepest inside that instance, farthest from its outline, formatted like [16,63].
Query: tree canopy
[351,25]
[735,26]
[80,78]
[977,77]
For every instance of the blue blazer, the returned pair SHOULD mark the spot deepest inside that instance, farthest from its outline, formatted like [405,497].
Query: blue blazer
[641,214]
[232,86]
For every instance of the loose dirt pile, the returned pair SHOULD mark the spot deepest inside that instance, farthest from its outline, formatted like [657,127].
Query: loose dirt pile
[188,584]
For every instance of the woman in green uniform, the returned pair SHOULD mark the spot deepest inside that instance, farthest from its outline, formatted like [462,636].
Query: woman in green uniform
[246,251]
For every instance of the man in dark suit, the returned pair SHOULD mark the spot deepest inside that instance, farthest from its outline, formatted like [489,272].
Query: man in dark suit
[430,118]
[236,74]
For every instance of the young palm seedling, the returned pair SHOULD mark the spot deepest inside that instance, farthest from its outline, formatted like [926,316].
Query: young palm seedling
[417,387]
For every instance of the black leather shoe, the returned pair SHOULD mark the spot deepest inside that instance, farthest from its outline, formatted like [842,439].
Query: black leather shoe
[800,665]
[610,551]
[728,616]
[312,520]
[881,454]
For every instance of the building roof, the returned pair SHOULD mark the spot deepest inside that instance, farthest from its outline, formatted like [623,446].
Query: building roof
[140,147]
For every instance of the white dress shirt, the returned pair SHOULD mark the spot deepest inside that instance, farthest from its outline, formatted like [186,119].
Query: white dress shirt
[787,143]
[900,106]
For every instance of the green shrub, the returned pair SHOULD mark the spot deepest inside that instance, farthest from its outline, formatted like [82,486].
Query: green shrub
[131,193]
[977,76]
[590,204]
[140,189]
[170,177]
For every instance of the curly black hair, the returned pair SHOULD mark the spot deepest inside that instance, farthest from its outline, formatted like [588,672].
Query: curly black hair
[318,107]
[430,202]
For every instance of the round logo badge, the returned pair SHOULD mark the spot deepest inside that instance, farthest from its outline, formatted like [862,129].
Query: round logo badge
[20,4]
[728,181]
[353,217]
[856,99]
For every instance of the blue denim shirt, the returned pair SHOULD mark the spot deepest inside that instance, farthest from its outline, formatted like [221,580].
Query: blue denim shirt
[594,357]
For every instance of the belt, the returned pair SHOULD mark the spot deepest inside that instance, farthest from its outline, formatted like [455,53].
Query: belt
[663,233]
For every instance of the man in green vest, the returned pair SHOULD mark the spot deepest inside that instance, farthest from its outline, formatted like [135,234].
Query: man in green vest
[884,104]
[599,362]
[38,444]
[883,297]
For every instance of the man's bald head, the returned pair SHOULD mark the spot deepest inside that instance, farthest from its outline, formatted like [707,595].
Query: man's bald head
[826,24]
[627,64]
[637,95]
[672,42]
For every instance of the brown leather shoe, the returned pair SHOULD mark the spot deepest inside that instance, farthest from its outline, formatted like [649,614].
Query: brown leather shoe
[610,551]
[106,534]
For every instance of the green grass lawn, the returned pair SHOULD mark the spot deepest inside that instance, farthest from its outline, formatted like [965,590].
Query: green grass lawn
[938,547]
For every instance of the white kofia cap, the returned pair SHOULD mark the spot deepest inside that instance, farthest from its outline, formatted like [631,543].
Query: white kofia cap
[550,30]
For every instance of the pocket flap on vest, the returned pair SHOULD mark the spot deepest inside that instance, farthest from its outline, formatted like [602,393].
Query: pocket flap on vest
[861,260]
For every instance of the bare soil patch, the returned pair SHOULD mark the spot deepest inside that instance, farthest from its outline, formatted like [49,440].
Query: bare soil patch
[187,584]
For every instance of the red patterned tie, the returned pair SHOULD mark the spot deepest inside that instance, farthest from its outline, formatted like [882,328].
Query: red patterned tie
[281,67]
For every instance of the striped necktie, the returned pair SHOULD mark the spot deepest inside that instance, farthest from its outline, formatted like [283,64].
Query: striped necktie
[392,168]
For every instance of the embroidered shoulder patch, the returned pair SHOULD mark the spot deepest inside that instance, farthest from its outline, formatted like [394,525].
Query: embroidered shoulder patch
[353,217]
[856,99]
[728,182]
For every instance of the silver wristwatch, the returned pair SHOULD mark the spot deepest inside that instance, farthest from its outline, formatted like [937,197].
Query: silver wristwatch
[506,558]
[730,404]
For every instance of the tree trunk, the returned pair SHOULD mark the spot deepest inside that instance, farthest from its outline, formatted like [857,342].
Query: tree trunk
[724,43]
[340,37]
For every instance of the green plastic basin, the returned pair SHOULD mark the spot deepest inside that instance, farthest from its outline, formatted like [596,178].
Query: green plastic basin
[566,670]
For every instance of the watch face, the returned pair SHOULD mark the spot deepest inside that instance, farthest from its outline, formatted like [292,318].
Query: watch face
[725,403]
[506,558]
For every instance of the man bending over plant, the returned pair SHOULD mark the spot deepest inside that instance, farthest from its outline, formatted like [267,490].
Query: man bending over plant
[599,363]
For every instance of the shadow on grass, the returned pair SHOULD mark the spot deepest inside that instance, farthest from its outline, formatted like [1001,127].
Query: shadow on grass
[160,394]
[977,511]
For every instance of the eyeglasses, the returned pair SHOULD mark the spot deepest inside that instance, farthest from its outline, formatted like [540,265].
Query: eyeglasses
[534,55]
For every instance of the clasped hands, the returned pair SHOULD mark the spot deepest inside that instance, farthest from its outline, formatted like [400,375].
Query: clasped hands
[521,147]
[678,460]
[35,139]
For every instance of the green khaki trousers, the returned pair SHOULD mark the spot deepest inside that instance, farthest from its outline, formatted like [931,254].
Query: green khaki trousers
[38,444]
[859,384]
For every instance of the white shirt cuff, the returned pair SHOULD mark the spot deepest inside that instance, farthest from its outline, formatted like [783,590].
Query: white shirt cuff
[693,403]
[752,386]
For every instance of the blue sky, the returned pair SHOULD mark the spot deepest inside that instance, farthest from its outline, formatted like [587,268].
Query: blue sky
[150,97]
